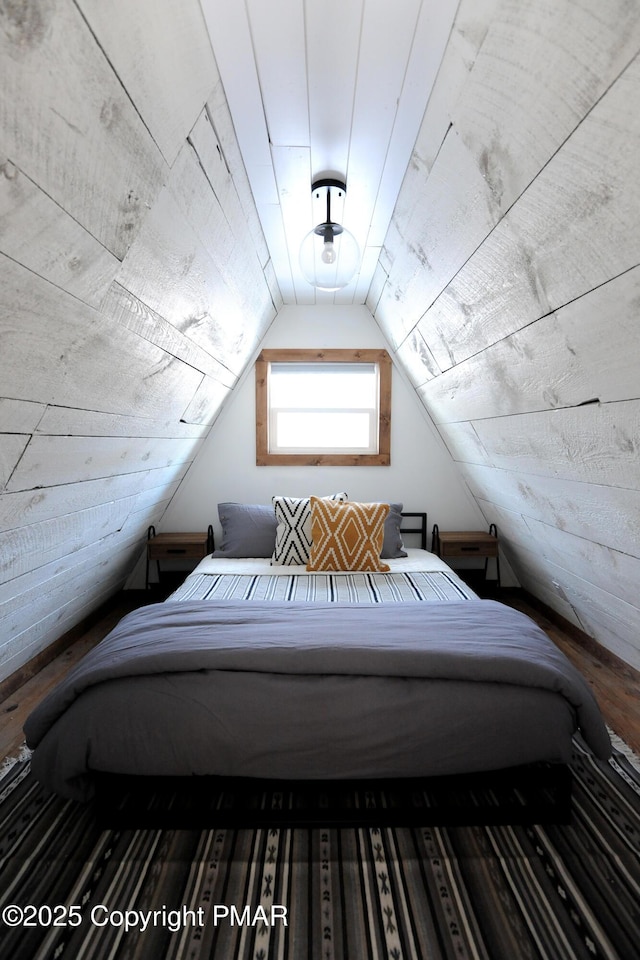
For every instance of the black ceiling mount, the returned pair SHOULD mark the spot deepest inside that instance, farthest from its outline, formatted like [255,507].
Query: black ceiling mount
[329,182]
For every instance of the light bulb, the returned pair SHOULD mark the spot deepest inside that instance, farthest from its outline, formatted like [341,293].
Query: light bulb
[328,254]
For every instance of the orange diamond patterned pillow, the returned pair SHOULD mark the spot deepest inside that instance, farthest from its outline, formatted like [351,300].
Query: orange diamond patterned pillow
[347,536]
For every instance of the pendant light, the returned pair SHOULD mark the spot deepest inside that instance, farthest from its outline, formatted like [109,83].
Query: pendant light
[329,254]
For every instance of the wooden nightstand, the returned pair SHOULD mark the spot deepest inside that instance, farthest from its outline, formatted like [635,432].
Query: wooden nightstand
[176,546]
[457,544]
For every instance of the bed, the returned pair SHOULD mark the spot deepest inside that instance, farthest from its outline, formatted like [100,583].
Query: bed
[255,670]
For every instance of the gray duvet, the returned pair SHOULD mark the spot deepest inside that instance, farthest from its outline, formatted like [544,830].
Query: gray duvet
[313,690]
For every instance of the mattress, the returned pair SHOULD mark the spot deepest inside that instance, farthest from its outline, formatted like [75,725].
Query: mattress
[230,678]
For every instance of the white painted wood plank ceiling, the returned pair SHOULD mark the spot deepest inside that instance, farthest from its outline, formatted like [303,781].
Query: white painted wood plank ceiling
[340,87]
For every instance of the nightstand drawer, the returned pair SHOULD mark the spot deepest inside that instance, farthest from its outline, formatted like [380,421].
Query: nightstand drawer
[470,544]
[188,546]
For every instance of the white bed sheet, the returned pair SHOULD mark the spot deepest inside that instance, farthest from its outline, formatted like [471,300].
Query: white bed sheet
[415,561]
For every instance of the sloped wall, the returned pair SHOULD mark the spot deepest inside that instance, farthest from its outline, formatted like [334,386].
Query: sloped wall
[509,286]
[134,285]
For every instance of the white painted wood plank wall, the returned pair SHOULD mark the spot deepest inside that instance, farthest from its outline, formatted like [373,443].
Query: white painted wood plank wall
[509,285]
[135,285]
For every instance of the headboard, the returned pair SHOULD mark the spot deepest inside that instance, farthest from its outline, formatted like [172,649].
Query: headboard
[421,528]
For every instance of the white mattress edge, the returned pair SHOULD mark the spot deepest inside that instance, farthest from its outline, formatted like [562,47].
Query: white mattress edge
[416,560]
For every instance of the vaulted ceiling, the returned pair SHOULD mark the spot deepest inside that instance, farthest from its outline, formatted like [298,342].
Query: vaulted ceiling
[327,88]
[154,187]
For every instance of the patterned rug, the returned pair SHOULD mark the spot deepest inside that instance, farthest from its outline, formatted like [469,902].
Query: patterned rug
[69,889]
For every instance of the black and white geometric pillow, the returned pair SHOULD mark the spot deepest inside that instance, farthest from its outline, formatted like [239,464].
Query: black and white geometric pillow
[293,532]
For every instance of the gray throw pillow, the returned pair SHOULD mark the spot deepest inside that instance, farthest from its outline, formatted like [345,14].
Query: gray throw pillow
[248,530]
[392,546]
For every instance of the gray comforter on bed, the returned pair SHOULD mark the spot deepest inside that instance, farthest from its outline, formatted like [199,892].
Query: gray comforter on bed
[480,641]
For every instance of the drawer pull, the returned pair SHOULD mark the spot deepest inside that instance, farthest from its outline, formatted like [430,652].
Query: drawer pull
[176,550]
[470,549]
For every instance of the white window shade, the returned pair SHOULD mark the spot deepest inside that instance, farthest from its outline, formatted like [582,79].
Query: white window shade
[329,407]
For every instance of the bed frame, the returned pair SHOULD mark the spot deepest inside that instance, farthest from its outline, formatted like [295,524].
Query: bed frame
[420,529]
[535,793]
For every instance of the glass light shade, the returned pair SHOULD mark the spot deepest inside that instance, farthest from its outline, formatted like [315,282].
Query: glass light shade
[329,265]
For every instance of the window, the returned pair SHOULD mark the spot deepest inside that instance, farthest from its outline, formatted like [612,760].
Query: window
[323,407]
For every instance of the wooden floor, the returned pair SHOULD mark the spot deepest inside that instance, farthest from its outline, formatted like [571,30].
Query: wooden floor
[616,687]
[15,709]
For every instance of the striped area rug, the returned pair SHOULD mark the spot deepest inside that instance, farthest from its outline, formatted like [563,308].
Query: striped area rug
[71,890]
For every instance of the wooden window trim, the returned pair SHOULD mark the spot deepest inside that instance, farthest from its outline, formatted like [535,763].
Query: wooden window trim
[266,459]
